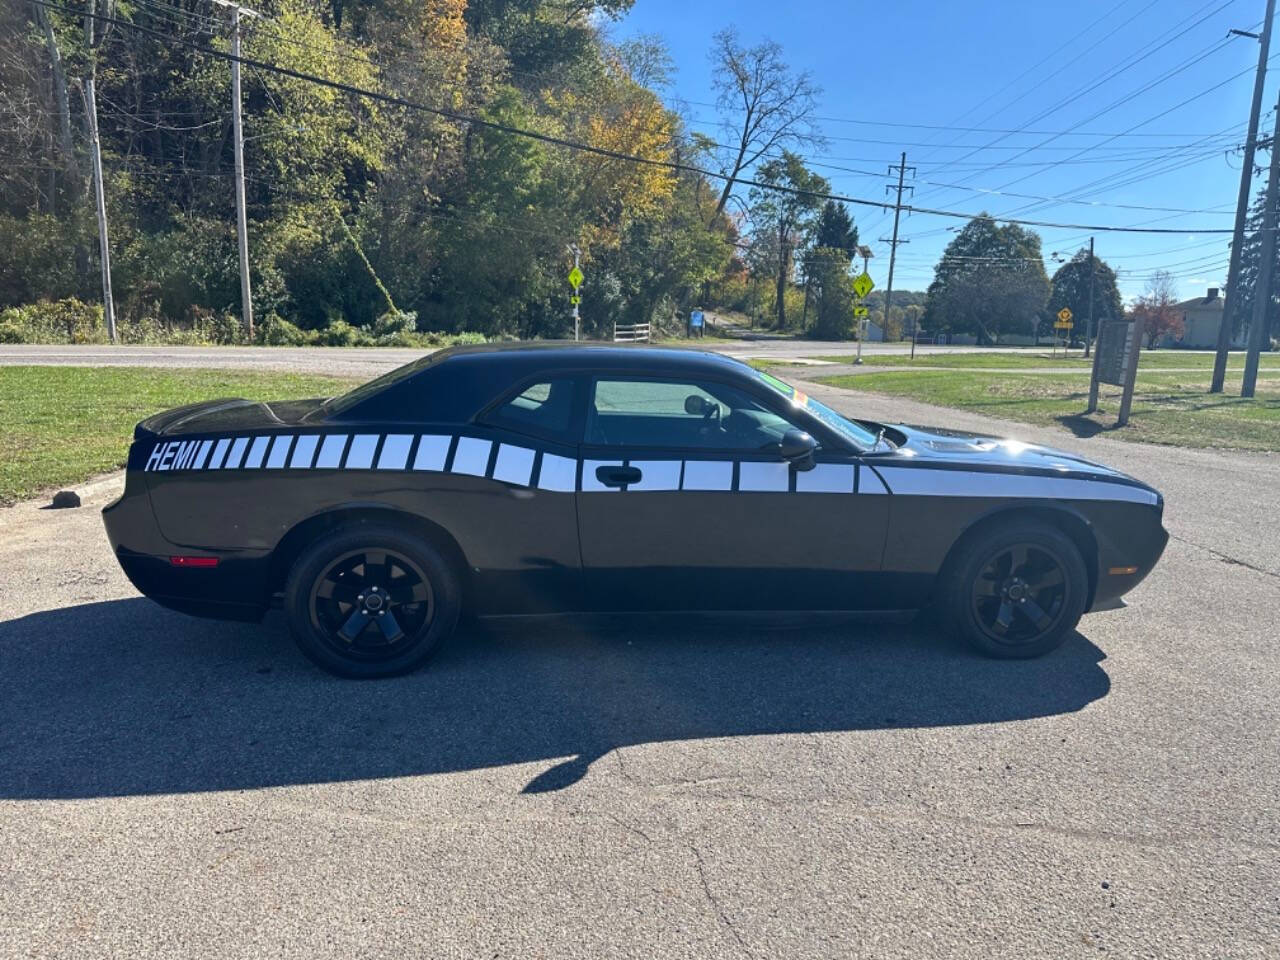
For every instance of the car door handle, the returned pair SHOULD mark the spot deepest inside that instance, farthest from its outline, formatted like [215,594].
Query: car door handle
[618,476]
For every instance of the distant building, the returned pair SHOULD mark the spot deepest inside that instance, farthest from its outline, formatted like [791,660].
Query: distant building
[1201,319]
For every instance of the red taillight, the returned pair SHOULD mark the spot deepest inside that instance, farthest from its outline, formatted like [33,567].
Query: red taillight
[194,561]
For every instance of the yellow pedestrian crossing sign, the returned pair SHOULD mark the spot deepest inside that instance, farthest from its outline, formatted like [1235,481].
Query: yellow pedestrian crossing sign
[575,278]
[1065,314]
[863,284]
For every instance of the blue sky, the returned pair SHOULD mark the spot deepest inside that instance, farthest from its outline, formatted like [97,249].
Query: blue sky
[892,73]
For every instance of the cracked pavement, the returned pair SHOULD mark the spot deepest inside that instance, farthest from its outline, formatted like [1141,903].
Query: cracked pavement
[663,787]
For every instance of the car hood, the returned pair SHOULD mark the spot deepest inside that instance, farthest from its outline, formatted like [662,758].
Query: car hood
[226,415]
[935,444]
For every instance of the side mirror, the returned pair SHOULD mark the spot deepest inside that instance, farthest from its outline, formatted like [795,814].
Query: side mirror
[695,405]
[797,447]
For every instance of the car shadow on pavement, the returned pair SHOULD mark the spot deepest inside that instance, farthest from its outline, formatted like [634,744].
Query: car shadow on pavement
[125,698]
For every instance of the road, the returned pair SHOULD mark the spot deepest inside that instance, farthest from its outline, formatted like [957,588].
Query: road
[801,788]
[369,361]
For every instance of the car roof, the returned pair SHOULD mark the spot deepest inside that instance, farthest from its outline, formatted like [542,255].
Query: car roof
[463,380]
[569,355]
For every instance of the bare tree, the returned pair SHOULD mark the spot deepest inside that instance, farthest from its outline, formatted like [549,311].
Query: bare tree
[763,104]
[1158,308]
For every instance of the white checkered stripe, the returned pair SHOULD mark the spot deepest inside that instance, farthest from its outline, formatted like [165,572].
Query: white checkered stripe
[521,466]
[507,463]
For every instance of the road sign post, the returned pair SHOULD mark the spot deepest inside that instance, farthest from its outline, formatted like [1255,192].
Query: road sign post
[862,285]
[1115,361]
[575,281]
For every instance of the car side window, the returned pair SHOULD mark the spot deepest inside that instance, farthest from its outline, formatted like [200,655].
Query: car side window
[684,414]
[541,409]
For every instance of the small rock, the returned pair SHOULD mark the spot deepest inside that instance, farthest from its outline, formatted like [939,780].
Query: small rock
[65,498]
[1105,885]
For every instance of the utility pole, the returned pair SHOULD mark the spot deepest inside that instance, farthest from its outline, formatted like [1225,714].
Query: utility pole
[237,123]
[1088,330]
[1242,203]
[104,248]
[893,244]
[1266,267]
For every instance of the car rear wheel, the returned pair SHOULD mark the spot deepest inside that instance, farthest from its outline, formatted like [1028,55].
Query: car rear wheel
[1016,591]
[371,602]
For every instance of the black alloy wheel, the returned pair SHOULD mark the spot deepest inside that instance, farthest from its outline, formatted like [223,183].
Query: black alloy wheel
[369,603]
[1020,594]
[1015,588]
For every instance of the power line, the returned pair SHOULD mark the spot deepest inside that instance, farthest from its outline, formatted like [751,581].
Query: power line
[1066,64]
[673,165]
[1152,48]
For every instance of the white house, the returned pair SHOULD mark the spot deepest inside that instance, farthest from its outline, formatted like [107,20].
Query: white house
[1201,319]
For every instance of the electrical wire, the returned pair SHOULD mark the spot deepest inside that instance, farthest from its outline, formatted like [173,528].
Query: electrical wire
[582,147]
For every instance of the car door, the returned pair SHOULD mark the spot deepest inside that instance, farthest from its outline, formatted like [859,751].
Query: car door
[686,503]
[517,470]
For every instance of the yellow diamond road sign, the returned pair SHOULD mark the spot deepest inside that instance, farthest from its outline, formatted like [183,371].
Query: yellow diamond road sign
[1065,314]
[575,278]
[863,284]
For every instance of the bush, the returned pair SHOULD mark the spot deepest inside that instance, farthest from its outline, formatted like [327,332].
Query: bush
[70,321]
[275,331]
[392,324]
[54,321]
[339,333]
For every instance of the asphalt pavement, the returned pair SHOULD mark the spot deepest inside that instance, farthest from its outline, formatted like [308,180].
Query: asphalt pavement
[370,361]
[654,788]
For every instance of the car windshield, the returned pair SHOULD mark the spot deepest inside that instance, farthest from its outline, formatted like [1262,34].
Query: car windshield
[855,433]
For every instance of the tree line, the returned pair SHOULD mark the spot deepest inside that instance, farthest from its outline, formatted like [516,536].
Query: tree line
[373,222]
[372,218]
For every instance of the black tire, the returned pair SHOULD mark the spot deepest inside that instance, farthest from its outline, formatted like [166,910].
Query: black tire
[1015,590]
[370,601]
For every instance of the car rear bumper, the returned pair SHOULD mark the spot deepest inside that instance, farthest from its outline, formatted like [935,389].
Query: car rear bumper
[236,588]
[229,591]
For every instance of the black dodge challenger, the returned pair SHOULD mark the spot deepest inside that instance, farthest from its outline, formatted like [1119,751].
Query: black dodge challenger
[554,477]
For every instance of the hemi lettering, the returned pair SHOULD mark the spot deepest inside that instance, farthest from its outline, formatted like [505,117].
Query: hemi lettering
[153,461]
[188,455]
[166,459]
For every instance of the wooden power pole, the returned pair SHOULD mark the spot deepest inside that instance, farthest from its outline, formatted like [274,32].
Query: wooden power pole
[1266,268]
[893,243]
[104,247]
[1231,297]
[237,123]
[1088,330]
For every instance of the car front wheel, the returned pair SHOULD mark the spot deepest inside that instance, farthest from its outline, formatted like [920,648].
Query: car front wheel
[371,602]
[1016,591]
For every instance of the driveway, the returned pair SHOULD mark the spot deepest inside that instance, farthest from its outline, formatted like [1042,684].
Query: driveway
[659,788]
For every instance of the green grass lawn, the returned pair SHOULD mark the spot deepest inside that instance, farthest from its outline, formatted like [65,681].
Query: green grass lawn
[1169,408]
[1032,359]
[59,425]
